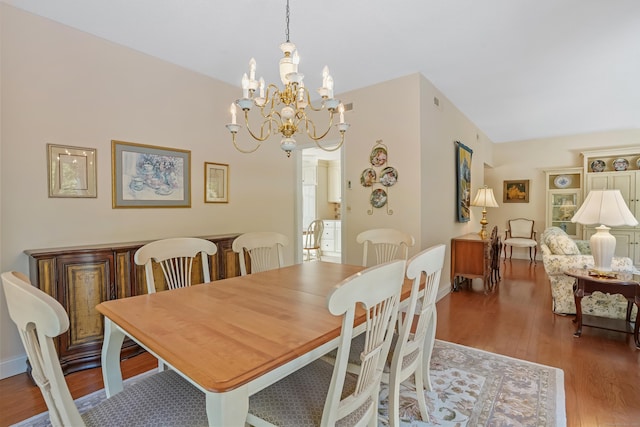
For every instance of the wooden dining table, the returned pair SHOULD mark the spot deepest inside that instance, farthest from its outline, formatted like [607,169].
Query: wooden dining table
[231,338]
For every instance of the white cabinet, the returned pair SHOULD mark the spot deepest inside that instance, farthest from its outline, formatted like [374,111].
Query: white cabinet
[334,182]
[564,196]
[600,174]
[331,238]
[309,172]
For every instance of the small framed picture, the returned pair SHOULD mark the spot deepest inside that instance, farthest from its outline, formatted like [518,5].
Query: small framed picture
[216,183]
[72,171]
[516,191]
[146,176]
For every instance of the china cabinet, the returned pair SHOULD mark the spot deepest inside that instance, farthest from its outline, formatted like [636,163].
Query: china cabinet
[81,277]
[564,196]
[617,169]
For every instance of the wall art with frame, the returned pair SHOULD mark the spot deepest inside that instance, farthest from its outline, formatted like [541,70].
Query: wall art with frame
[72,171]
[516,191]
[216,182]
[463,181]
[147,176]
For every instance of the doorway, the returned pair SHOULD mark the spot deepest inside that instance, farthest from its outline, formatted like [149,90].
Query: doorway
[321,198]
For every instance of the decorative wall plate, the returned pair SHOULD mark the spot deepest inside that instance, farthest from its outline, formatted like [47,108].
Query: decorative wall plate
[598,165]
[638,163]
[562,181]
[368,177]
[620,164]
[388,176]
[378,156]
[378,198]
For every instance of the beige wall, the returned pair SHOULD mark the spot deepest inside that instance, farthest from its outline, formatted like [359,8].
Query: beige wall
[528,159]
[420,140]
[389,112]
[62,86]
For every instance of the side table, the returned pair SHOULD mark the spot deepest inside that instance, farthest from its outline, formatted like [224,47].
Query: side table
[625,284]
[470,258]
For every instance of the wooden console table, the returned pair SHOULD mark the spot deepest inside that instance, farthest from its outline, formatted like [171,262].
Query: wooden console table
[470,259]
[625,284]
[81,277]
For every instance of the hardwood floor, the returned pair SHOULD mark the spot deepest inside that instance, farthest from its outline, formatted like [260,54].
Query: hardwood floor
[601,369]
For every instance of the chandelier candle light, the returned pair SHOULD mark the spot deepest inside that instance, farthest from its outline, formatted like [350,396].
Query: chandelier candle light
[284,111]
[484,197]
[607,208]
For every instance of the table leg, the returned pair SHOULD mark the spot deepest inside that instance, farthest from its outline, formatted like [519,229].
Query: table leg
[229,408]
[111,346]
[577,297]
[636,329]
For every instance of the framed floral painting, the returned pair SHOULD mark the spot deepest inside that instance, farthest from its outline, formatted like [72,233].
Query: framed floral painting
[146,176]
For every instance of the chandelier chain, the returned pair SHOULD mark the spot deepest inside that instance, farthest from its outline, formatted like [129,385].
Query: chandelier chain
[287,21]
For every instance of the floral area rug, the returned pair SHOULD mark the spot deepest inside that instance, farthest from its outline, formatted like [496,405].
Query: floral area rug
[470,388]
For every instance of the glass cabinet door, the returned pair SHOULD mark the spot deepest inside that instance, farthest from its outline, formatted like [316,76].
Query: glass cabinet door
[563,206]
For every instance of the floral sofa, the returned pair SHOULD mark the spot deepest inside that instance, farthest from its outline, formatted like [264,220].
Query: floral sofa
[559,253]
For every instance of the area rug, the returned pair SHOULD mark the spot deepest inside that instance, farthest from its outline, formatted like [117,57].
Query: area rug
[471,388]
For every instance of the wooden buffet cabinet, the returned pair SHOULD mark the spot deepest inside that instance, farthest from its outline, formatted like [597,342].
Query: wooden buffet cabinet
[83,276]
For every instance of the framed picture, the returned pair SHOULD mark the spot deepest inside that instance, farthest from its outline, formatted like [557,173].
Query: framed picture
[463,181]
[516,191]
[216,183]
[72,171]
[146,176]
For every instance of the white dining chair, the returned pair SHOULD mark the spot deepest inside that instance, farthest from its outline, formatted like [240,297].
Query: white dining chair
[264,249]
[175,256]
[387,243]
[415,336]
[321,394]
[163,398]
[313,239]
[520,234]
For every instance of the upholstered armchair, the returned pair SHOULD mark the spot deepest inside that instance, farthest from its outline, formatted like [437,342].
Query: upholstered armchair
[559,253]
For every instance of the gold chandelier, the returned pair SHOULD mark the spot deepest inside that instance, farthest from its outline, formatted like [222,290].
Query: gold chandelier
[284,111]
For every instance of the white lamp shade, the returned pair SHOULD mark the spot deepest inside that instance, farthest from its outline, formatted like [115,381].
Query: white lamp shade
[484,197]
[606,207]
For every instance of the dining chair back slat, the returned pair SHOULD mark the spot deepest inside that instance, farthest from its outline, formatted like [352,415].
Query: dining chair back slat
[264,249]
[388,244]
[175,257]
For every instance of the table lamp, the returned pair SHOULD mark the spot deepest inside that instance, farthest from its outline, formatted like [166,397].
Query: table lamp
[607,208]
[484,197]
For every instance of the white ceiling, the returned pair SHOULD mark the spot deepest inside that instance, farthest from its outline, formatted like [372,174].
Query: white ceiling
[519,69]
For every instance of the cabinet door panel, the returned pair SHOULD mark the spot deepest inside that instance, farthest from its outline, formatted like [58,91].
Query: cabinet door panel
[88,286]
[84,281]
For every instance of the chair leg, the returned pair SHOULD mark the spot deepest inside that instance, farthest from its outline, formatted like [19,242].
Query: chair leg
[394,401]
[422,403]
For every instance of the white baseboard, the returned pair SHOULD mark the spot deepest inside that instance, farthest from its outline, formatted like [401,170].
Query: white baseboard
[443,291]
[11,367]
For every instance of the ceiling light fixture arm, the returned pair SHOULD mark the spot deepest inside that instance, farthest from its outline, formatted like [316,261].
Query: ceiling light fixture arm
[286,109]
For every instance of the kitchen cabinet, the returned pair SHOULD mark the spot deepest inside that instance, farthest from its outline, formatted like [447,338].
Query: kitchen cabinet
[332,238]
[334,182]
